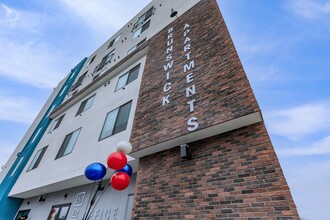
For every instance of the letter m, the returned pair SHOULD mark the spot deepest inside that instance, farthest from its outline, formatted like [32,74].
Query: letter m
[189,66]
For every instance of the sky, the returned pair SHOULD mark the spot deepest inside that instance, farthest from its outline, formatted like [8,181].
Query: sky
[283,45]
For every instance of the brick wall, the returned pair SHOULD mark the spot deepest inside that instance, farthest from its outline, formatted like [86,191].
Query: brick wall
[222,88]
[235,175]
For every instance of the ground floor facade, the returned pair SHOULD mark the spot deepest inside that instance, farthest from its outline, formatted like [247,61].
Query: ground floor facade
[74,203]
[234,175]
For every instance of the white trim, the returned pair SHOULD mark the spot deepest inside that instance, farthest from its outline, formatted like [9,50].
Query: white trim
[201,134]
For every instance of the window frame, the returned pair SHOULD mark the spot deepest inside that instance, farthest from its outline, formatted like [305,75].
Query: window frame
[136,46]
[37,159]
[143,18]
[141,29]
[114,41]
[22,212]
[113,132]
[79,81]
[105,61]
[36,135]
[91,60]
[58,122]
[65,144]
[128,77]
[60,206]
[82,108]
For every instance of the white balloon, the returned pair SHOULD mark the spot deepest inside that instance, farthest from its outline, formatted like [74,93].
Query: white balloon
[125,147]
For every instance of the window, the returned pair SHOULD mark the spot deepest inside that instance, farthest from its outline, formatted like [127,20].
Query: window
[59,212]
[136,46]
[143,18]
[56,123]
[19,163]
[36,135]
[68,144]
[91,61]
[62,91]
[107,59]
[79,81]
[22,213]
[51,109]
[85,105]
[140,30]
[37,158]
[128,77]
[116,121]
[114,41]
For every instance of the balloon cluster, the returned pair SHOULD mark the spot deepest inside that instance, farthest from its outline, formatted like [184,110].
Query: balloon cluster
[116,161]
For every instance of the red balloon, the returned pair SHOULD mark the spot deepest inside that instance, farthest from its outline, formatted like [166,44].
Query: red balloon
[120,181]
[117,160]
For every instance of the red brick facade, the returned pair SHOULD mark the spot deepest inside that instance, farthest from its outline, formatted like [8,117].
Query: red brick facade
[234,175]
[222,89]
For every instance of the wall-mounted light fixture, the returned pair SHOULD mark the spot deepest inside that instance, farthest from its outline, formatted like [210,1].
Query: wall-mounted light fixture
[41,199]
[185,152]
[173,13]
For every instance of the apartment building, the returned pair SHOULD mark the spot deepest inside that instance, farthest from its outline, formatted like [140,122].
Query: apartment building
[170,82]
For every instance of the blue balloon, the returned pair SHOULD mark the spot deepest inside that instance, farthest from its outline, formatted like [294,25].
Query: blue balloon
[95,171]
[127,169]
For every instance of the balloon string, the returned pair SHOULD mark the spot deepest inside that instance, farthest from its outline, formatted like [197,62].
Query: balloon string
[89,199]
[99,199]
[94,197]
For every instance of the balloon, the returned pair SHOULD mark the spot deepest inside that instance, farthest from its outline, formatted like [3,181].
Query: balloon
[125,147]
[95,171]
[117,160]
[127,169]
[120,181]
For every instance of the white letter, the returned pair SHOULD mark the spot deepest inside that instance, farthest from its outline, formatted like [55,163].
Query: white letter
[191,90]
[169,49]
[167,87]
[169,42]
[188,55]
[186,26]
[168,75]
[189,77]
[170,30]
[191,105]
[186,33]
[186,40]
[168,66]
[169,57]
[187,47]
[170,36]
[188,66]
[165,99]
[192,122]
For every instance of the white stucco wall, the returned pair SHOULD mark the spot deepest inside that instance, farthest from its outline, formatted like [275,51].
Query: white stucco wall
[52,175]
[88,148]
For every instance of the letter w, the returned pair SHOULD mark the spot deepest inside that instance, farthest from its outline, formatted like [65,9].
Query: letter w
[168,66]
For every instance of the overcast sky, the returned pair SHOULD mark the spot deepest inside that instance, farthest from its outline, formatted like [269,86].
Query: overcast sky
[284,47]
